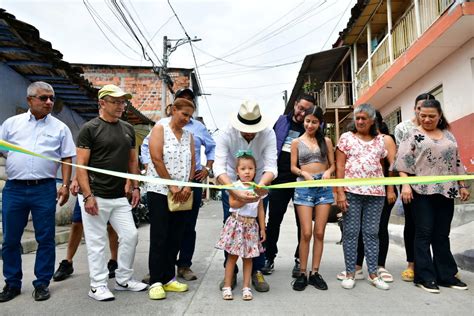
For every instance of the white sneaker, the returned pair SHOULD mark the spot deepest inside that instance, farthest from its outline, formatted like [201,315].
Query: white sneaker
[101,293]
[359,275]
[131,285]
[379,283]
[348,283]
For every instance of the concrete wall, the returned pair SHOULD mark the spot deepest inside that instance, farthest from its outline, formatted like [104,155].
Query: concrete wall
[13,91]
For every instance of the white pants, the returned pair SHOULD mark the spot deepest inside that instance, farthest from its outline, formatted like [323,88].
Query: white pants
[118,213]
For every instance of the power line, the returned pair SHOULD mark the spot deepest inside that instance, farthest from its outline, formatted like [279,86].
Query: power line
[94,16]
[195,62]
[335,26]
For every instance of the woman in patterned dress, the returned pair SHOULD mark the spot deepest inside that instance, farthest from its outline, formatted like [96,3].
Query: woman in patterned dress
[431,150]
[172,156]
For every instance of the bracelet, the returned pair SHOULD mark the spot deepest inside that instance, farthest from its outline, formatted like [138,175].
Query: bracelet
[65,185]
[87,197]
[464,186]
[299,173]
[136,188]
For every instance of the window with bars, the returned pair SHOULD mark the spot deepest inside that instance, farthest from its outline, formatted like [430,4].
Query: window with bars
[393,119]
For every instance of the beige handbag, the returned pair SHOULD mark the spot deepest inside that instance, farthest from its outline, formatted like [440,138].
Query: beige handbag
[185,206]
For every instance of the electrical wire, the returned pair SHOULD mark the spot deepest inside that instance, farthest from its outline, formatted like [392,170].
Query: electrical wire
[198,76]
[95,16]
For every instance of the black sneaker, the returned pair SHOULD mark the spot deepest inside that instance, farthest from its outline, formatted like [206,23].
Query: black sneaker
[300,283]
[64,270]
[296,269]
[317,281]
[429,286]
[269,267]
[112,266]
[458,285]
[41,293]
[9,293]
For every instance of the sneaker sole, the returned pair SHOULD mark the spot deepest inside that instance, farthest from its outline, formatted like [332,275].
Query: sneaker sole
[128,289]
[434,291]
[268,272]
[108,299]
[317,287]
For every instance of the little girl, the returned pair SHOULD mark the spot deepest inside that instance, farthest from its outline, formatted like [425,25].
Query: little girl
[239,236]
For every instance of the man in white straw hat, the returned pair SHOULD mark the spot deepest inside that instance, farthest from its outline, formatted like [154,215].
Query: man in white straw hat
[249,132]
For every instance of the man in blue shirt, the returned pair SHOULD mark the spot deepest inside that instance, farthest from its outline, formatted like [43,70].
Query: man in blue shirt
[202,138]
[31,186]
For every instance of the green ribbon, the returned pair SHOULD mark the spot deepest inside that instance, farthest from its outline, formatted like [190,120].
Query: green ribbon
[300,184]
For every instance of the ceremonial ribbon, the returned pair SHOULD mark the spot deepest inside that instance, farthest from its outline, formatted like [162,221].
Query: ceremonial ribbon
[310,183]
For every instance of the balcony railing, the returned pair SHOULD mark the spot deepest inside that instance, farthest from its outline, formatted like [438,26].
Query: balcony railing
[380,58]
[335,95]
[404,33]
[362,77]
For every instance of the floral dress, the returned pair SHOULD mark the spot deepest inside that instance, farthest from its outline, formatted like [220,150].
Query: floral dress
[363,161]
[240,234]
[421,155]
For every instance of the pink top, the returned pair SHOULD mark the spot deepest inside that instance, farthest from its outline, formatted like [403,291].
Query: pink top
[363,161]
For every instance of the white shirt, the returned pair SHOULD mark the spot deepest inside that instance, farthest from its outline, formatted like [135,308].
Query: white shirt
[48,137]
[263,148]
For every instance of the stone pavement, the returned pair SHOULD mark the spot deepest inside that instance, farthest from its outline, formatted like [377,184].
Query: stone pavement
[70,296]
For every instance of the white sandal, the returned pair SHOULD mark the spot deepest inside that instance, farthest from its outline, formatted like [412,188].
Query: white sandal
[247,294]
[385,275]
[227,293]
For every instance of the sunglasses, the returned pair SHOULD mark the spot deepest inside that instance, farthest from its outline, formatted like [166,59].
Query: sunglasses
[45,98]
[116,103]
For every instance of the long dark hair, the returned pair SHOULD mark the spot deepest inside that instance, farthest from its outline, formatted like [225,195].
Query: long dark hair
[318,113]
[442,123]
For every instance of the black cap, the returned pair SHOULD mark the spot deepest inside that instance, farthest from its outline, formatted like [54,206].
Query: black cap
[182,91]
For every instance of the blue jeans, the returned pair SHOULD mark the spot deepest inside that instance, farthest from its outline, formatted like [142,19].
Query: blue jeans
[18,200]
[259,261]
[188,243]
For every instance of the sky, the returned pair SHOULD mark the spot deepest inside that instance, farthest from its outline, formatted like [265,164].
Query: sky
[249,49]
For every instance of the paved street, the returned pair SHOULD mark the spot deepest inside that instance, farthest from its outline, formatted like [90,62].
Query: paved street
[70,296]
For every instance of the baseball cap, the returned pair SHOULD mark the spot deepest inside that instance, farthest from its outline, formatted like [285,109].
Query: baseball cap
[113,91]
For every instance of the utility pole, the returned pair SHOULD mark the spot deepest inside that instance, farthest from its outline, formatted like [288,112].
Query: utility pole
[164,76]
[285,97]
[165,79]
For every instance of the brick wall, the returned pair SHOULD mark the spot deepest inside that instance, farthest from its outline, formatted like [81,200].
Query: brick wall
[141,82]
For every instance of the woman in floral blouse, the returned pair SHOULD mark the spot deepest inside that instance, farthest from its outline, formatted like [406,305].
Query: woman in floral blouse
[358,155]
[431,150]
[172,155]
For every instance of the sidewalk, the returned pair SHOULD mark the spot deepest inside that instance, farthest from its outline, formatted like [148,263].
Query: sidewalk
[70,296]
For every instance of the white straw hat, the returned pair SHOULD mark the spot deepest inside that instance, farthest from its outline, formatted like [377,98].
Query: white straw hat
[248,119]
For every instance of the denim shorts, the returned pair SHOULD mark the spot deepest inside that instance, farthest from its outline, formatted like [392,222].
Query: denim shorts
[313,196]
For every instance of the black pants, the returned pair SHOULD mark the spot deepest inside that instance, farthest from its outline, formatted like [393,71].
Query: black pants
[278,204]
[383,237]
[409,232]
[188,243]
[166,233]
[433,217]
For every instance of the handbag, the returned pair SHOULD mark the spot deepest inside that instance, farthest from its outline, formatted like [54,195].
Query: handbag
[185,206]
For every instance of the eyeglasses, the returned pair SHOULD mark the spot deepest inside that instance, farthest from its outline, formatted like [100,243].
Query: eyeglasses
[44,98]
[241,153]
[116,102]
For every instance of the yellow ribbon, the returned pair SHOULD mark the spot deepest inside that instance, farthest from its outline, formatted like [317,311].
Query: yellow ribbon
[312,183]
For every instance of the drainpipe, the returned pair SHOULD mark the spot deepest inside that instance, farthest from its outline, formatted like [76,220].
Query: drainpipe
[389,24]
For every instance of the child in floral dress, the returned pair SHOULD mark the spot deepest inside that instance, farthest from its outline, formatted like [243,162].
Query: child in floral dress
[240,234]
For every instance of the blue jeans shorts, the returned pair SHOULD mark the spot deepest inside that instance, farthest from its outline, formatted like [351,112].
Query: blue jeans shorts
[313,196]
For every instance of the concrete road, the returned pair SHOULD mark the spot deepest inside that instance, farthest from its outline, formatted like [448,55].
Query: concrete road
[69,297]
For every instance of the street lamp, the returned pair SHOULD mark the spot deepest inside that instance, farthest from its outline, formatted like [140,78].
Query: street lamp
[168,48]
